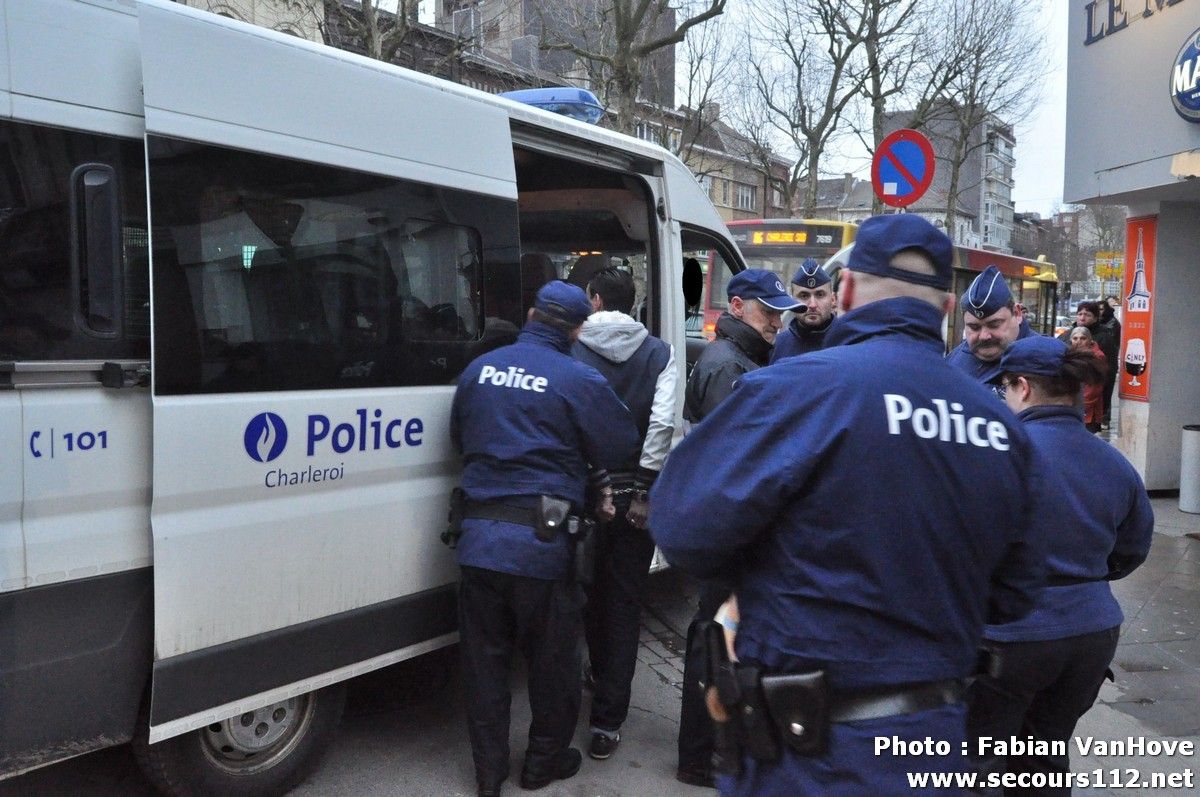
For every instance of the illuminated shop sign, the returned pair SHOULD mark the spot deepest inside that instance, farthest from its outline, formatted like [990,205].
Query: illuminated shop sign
[1106,17]
[1185,79]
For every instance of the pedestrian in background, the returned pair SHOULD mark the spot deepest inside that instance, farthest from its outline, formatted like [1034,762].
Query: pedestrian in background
[1092,391]
[992,321]
[812,287]
[641,369]
[745,334]
[1049,665]
[1108,335]
[839,494]
[530,421]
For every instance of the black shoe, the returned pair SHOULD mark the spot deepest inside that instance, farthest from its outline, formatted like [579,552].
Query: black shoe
[696,777]
[566,765]
[603,746]
[489,791]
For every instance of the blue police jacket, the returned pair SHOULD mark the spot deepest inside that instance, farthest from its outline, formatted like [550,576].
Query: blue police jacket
[869,501]
[986,372]
[798,339]
[1101,528]
[529,419]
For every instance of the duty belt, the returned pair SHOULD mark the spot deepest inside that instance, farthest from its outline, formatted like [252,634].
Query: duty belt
[893,701]
[757,713]
[494,510]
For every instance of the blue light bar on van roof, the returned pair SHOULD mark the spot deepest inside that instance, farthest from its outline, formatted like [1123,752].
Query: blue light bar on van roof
[576,103]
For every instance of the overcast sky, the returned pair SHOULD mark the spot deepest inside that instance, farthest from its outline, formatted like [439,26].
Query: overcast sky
[1041,139]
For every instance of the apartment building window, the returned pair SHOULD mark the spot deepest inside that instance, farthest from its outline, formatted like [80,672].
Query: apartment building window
[674,139]
[646,131]
[725,192]
[777,197]
[746,197]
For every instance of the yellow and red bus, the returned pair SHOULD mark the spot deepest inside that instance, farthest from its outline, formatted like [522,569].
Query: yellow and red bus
[778,245]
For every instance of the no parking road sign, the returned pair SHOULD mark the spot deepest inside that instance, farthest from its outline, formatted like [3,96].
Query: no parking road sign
[902,168]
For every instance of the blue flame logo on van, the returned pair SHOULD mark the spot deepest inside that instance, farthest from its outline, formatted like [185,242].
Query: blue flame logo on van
[1185,79]
[266,436]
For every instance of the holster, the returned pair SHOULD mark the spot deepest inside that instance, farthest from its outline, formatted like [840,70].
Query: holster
[799,704]
[551,517]
[458,503]
[582,536]
[720,686]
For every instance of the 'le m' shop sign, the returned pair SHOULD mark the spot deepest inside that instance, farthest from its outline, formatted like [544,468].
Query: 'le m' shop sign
[1185,79]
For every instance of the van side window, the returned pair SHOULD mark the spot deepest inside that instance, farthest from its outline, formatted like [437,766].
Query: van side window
[274,274]
[74,271]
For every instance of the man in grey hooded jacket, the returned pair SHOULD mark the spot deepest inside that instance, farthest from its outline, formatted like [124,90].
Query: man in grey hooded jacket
[641,370]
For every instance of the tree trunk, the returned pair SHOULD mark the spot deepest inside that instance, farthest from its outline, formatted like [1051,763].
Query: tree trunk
[952,192]
[810,190]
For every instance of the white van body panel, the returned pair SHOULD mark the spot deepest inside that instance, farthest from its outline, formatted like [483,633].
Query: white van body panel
[87,483]
[687,201]
[58,76]
[213,79]
[12,544]
[227,544]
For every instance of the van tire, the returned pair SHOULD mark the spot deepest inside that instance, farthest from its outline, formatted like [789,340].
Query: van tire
[231,758]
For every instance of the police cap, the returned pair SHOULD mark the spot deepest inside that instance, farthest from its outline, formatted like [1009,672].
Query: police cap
[987,294]
[1035,355]
[880,238]
[568,303]
[764,285]
[810,275]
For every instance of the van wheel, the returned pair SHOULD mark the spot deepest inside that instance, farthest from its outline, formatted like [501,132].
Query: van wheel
[256,754]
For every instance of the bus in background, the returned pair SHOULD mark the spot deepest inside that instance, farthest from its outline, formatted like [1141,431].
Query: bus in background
[1033,283]
[778,245]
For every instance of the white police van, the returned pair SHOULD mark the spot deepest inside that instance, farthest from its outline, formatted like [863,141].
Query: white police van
[239,274]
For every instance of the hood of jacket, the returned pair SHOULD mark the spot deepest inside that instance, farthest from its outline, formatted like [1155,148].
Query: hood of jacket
[614,336]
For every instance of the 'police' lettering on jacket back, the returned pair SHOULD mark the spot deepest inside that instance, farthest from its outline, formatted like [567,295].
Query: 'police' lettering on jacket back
[513,377]
[946,423]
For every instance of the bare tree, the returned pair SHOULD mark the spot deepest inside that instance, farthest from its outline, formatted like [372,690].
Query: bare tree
[614,39]
[999,52]
[803,72]
[708,59]
[898,66]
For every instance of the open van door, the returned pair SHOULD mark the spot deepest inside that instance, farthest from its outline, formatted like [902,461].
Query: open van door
[314,278]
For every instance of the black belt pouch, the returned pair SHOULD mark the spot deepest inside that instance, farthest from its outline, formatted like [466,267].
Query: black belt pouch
[551,517]
[799,706]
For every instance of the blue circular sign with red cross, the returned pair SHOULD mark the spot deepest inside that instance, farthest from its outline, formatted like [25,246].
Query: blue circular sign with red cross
[902,169]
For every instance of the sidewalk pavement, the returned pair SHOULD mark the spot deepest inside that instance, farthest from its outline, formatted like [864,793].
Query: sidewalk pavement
[1156,694]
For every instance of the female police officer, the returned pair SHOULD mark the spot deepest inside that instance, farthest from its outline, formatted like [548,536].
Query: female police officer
[1047,667]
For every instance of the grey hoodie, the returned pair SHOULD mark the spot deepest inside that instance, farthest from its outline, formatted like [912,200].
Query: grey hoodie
[616,336]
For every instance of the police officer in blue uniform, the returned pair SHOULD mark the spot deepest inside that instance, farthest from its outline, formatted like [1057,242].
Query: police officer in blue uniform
[811,286]
[1049,665]
[745,334]
[865,559]
[529,420]
[992,321]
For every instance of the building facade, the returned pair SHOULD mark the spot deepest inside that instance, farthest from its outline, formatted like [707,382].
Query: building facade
[1133,127]
[983,204]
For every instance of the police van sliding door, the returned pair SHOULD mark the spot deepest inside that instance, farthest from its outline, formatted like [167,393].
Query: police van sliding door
[328,238]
